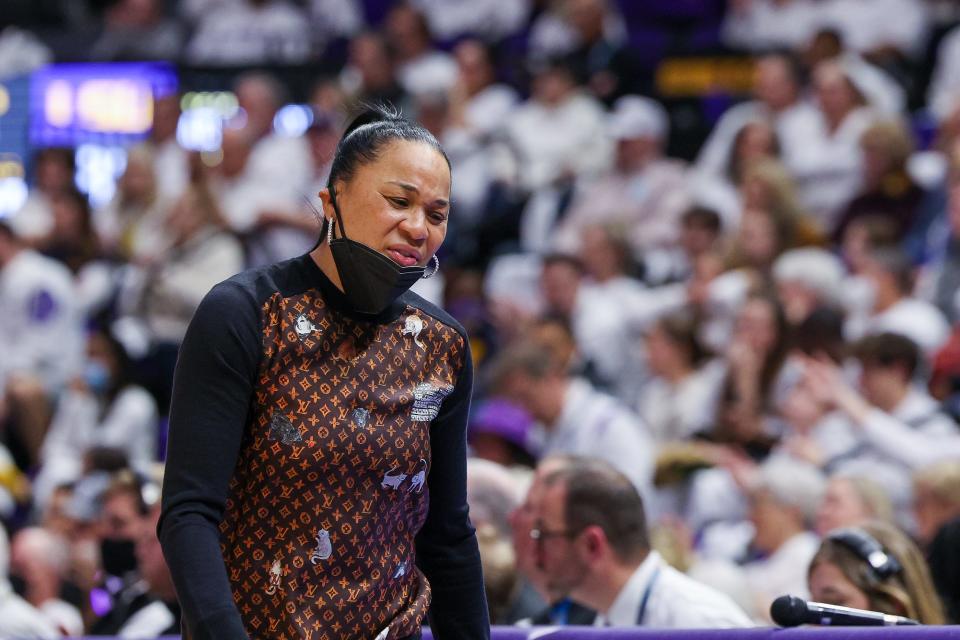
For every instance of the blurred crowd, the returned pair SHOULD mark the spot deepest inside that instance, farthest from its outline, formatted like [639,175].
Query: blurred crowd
[762,338]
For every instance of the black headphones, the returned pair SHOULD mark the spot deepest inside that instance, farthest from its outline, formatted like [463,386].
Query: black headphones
[882,564]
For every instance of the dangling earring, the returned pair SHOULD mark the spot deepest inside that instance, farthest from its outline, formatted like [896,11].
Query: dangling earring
[436,267]
[329,231]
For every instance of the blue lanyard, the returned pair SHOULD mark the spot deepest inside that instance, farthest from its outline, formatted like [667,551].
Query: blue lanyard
[642,612]
[560,612]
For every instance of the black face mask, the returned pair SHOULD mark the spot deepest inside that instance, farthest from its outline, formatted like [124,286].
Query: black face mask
[118,556]
[371,280]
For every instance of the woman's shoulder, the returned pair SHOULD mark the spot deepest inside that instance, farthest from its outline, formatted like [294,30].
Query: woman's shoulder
[257,284]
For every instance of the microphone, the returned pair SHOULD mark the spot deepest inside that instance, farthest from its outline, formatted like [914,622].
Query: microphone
[791,611]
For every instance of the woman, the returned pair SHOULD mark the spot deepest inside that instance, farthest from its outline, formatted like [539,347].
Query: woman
[318,423]
[851,500]
[130,226]
[102,408]
[847,571]
[681,398]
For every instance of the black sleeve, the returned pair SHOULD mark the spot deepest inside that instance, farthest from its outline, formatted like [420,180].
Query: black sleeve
[213,383]
[447,550]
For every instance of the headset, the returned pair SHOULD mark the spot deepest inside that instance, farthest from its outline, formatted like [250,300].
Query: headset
[882,564]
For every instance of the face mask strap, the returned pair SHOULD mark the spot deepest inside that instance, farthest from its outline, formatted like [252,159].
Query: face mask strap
[337,219]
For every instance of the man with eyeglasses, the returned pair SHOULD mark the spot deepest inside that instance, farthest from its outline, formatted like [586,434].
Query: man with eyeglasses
[560,609]
[591,541]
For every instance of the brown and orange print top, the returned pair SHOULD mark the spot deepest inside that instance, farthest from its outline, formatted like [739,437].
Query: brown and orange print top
[330,490]
[304,449]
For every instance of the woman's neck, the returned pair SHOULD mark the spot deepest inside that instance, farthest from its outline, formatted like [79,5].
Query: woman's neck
[323,258]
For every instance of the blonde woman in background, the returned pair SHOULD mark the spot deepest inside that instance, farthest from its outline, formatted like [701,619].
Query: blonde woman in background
[841,573]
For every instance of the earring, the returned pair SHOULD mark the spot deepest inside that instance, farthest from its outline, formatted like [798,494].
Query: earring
[436,267]
[329,231]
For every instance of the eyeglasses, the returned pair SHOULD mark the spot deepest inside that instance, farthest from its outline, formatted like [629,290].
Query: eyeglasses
[539,533]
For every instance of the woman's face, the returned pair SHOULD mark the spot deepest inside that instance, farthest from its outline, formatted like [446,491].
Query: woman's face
[758,237]
[755,142]
[841,506]
[829,585]
[834,92]
[663,354]
[398,204]
[757,325]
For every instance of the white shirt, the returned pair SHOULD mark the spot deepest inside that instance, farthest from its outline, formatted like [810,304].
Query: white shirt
[173,290]
[41,332]
[769,24]
[677,411]
[488,111]
[675,601]
[238,34]
[866,25]
[795,127]
[35,218]
[149,622]
[892,446]
[647,203]
[945,84]
[493,19]
[596,424]
[431,72]
[782,572]
[130,424]
[21,620]
[916,434]
[828,167]
[543,155]
[916,319]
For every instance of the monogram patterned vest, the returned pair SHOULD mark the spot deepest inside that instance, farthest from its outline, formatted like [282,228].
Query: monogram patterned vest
[330,487]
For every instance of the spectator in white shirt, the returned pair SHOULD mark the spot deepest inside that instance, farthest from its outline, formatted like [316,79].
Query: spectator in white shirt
[900,424]
[170,159]
[102,408]
[681,399]
[782,494]
[420,67]
[890,276]
[480,105]
[557,104]
[41,560]
[700,235]
[53,171]
[850,501]
[606,309]
[41,338]
[574,416]
[137,30]
[944,90]
[829,164]
[492,20]
[279,164]
[645,193]
[761,25]
[18,618]
[778,91]
[591,541]
[882,30]
[130,226]
[251,32]
[370,74]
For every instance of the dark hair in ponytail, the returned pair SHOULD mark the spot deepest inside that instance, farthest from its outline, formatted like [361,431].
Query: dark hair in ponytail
[376,126]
